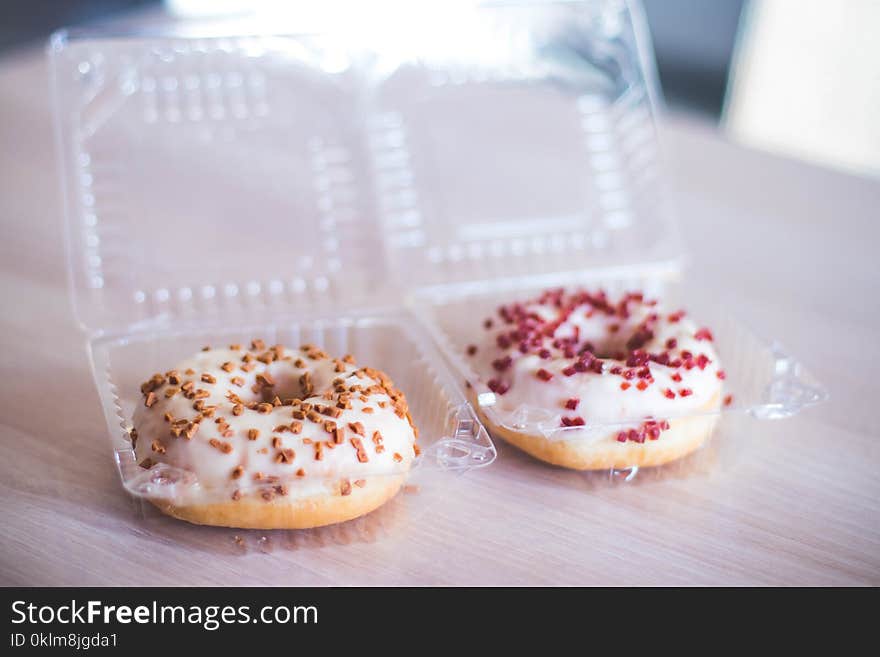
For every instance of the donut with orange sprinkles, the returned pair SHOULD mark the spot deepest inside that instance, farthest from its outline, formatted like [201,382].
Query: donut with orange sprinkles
[272,438]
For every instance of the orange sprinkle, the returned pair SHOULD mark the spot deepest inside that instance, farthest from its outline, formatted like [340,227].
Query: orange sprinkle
[265,379]
[361,452]
[223,447]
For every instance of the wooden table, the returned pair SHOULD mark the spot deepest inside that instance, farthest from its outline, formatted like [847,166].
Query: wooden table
[792,249]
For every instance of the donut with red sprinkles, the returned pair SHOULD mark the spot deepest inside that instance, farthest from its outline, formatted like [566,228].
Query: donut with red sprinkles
[643,378]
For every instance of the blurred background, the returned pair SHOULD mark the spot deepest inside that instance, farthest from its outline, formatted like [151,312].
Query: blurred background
[797,77]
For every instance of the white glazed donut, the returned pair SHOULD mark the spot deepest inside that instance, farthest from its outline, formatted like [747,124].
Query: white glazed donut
[583,366]
[275,438]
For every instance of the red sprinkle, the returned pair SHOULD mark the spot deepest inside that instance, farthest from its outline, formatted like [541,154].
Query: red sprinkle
[621,437]
[498,387]
[625,385]
[637,358]
[572,404]
[576,421]
[721,375]
[704,334]
[569,371]
[671,343]
[676,377]
[543,374]
[502,364]
[641,385]
[728,400]
[669,393]
[685,392]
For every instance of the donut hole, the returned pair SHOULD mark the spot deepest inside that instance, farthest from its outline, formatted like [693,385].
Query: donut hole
[605,339]
[286,385]
[609,348]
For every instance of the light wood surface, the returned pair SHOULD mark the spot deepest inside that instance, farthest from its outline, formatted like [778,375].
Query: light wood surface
[792,249]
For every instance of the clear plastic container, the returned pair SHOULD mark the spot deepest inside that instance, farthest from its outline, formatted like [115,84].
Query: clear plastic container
[372,187]
[451,438]
[761,378]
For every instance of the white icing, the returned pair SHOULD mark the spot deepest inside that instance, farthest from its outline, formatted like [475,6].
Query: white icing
[213,468]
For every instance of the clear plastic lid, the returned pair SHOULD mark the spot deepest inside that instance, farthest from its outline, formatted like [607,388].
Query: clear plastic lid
[215,174]
[333,169]
[523,145]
